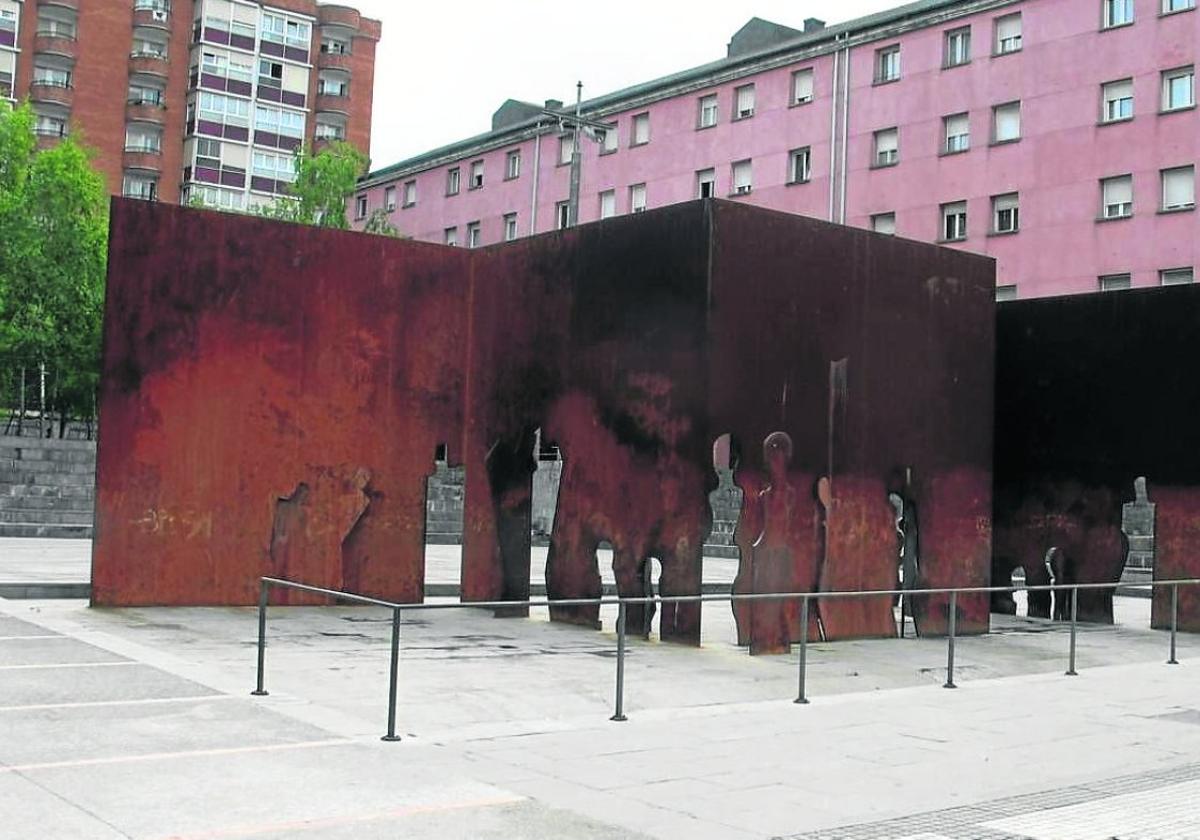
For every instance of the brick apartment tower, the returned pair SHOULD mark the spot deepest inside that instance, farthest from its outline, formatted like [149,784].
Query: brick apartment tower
[184,99]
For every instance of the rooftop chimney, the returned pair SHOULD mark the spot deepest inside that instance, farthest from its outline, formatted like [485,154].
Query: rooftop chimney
[813,24]
[554,104]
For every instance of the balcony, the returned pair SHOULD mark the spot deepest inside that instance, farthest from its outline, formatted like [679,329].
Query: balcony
[153,64]
[143,158]
[330,104]
[334,61]
[48,134]
[62,4]
[52,92]
[55,42]
[338,16]
[142,110]
[153,18]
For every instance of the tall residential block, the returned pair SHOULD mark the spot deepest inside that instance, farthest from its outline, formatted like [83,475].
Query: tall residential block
[192,99]
[1059,136]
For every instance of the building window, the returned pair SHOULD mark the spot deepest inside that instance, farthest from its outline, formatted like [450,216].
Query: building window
[954,221]
[1116,197]
[887,64]
[958,47]
[799,165]
[562,215]
[512,165]
[706,183]
[476,175]
[473,234]
[884,223]
[887,147]
[450,236]
[1179,188]
[1117,99]
[1171,6]
[802,86]
[742,177]
[957,133]
[708,111]
[608,204]
[566,148]
[138,186]
[743,102]
[1175,276]
[510,227]
[1117,13]
[452,177]
[1006,122]
[410,193]
[360,207]
[637,198]
[1114,282]
[608,140]
[1006,213]
[641,130]
[1008,34]
[1178,89]
[1008,292]
[389,199]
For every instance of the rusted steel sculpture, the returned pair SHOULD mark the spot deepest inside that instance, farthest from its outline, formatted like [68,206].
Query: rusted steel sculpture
[1094,392]
[273,397]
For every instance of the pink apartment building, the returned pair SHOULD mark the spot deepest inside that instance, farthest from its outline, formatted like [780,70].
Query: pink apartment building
[1059,136]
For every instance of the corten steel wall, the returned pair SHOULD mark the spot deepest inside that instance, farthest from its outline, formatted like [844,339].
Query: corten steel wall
[243,359]
[280,356]
[1093,392]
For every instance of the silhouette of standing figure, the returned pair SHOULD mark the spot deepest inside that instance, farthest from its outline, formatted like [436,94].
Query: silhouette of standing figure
[783,552]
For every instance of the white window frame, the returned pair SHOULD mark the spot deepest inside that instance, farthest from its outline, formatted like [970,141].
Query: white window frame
[1176,276]
[562,215]
[953,216]
[741,178]
[389,198]
[743,102]
[474,235]
[885,154]
[1115,282]
[510,227]
[1006,213]
[409,193]
[884,223]
[450,237]
[360,207]
[1116,13]
[1169,77]
[453,180]
[803,86]
[639,134]
[957,47]
[709,177]
[999,112]
[800,165]
[887,64]
[1183,172]
[477,174]
[706,116]
[958,141]
[608,204]
[1111,208]
[1115,101]
[1170,7]
[1005,40]
[512,164]
[637,198]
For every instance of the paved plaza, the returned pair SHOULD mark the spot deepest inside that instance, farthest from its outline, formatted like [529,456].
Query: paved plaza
[138,723]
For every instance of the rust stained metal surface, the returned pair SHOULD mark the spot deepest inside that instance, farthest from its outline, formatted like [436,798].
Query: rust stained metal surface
[1094,392]
[273,400]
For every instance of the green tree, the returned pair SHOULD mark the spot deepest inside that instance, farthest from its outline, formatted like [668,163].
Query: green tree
[54,226]
[324,183]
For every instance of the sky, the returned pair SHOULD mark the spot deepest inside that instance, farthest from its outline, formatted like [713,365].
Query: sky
[441,71]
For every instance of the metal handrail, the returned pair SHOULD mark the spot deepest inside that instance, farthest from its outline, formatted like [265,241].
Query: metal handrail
[621,602]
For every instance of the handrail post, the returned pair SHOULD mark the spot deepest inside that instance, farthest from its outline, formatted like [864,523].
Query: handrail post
[1174,621]
[392,685]
[259,691]
[1074,618]
[619,714]
[800,698]
[950,644]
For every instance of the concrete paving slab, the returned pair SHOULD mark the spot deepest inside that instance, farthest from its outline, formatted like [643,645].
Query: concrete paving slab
[10,627]
[32,811]
[31,650]
[24,687]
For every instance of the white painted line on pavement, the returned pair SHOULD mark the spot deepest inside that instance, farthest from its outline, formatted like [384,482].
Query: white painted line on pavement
[25,638]
[332,822]
[88,704]
[68,665]
[128,759]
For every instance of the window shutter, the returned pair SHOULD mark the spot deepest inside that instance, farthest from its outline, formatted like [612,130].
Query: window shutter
[803,86]
[1178,187]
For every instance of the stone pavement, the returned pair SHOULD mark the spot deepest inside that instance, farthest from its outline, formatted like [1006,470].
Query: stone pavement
[138,723]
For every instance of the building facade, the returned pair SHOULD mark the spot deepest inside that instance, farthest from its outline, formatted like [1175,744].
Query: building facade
[183,100]
[1059,136]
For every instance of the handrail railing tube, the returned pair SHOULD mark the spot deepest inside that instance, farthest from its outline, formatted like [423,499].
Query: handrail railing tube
[394,679]
[952,618]
[622,605]
[1074,619]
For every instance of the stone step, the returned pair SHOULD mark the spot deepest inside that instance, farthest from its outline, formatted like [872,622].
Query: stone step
[47,456]
[26,529]
[21,474]
[36,503]
[46,490]
[21,516]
